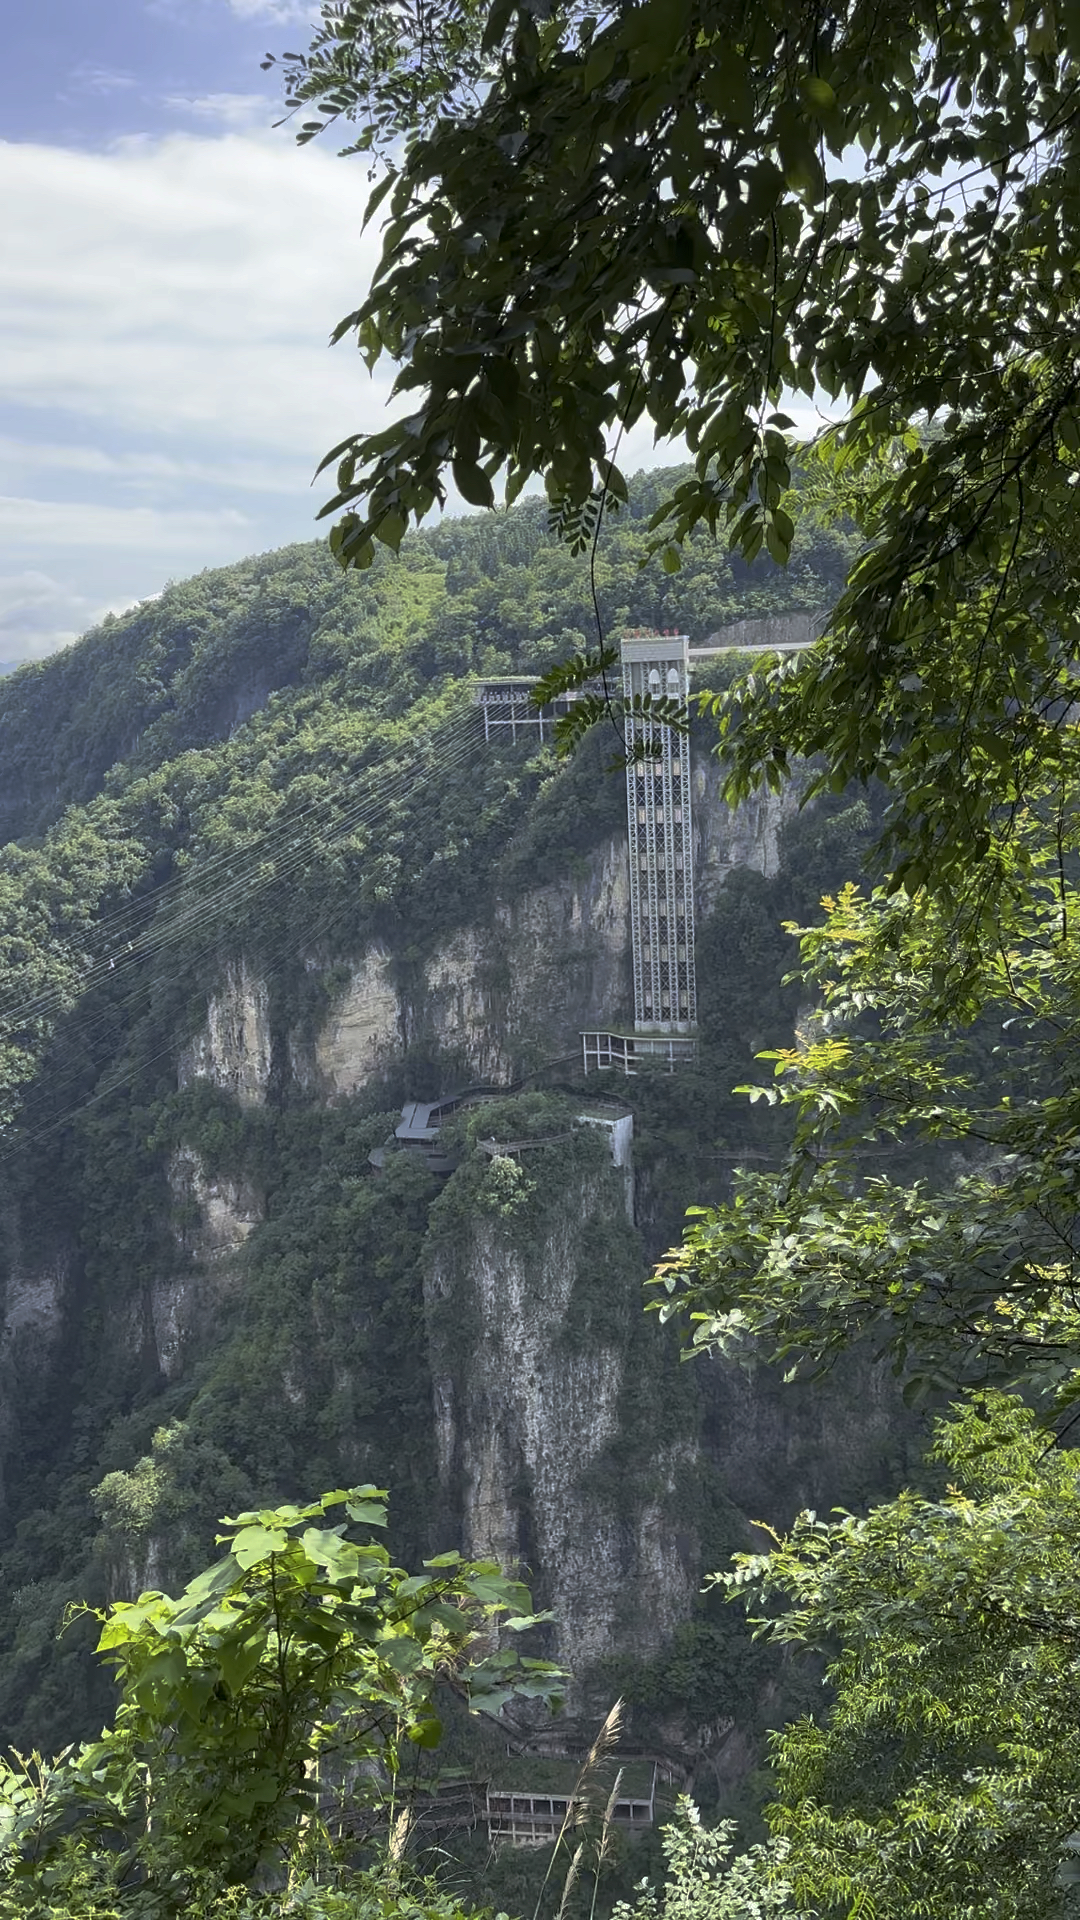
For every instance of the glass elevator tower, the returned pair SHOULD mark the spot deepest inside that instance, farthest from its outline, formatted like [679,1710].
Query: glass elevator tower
[661,839]
[661,849]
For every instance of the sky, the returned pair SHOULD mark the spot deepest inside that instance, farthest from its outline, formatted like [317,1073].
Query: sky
[173,267]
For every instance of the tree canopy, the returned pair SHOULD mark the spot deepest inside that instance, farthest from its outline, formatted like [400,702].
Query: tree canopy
[944,1781]
[687,214]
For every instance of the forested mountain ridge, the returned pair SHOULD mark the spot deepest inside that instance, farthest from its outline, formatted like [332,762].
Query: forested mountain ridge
[281,820]
[487,595]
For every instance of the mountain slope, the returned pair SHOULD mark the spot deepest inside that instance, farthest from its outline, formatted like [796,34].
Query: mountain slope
[280,884]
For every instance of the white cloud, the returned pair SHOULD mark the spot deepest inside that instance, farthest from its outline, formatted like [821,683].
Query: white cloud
[139,470]
[60,524]
[166,383]
[230,112]
[165,310]
[278,12]
[87,78]
[187,286]
[272,12]
[39,614]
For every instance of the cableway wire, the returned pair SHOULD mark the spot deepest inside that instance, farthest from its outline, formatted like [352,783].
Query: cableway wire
[204,909]
[120,919]
[199,904]
[114,1017]
[196,903]
[367,813]
[131,911]
[243,890]
[111,1019]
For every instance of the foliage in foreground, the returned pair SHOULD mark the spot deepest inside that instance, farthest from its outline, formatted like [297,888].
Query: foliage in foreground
[929,1200]
[277,1694]
[929,1203]
[705,1882]
[384,1892]
[945,1780]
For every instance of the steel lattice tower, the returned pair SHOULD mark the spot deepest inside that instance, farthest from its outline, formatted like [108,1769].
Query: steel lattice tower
[661,840]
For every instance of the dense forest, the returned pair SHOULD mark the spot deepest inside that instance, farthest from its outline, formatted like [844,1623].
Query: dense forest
[265,882]
[275,768]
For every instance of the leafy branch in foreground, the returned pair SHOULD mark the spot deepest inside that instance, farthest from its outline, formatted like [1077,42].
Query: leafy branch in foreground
[944,1780]
[686,214]
[931,1195]
[301,1659]
[585,675]
[706,1879]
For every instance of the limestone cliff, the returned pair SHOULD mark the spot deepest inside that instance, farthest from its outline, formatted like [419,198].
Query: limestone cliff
[531,1353]
[488,1001]
[492,1000]
[233,1050]
[212,1216]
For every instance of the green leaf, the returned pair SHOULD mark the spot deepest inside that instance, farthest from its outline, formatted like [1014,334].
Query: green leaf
[402,1653]
[472,483]
[255,1543]
[499,17]
[426,1733]
[817,93]
[370,1513]
[378,195]
[598,66]
[725,85]
[239,1657]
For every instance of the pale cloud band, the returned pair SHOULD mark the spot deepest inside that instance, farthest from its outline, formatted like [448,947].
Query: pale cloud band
[166,388]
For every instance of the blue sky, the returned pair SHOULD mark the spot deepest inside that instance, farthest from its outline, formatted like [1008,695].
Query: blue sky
[173,268]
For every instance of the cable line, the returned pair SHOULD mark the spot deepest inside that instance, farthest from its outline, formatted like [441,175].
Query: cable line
[239,890]
[196,906]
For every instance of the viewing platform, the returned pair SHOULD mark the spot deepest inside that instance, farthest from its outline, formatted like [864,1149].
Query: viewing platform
[523,1819]
[507,706]
[626,1051]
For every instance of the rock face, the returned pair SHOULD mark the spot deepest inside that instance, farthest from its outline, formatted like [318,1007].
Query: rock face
[498,1000]
[527,1412]
[492,1001]
[363,1033]
[503,998]
[212,1216]
[770,630]
[39,1276]
[34,1306]
[233,1050]
[724,840]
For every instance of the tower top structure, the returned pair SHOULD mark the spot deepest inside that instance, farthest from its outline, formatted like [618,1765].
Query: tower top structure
[642,645]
